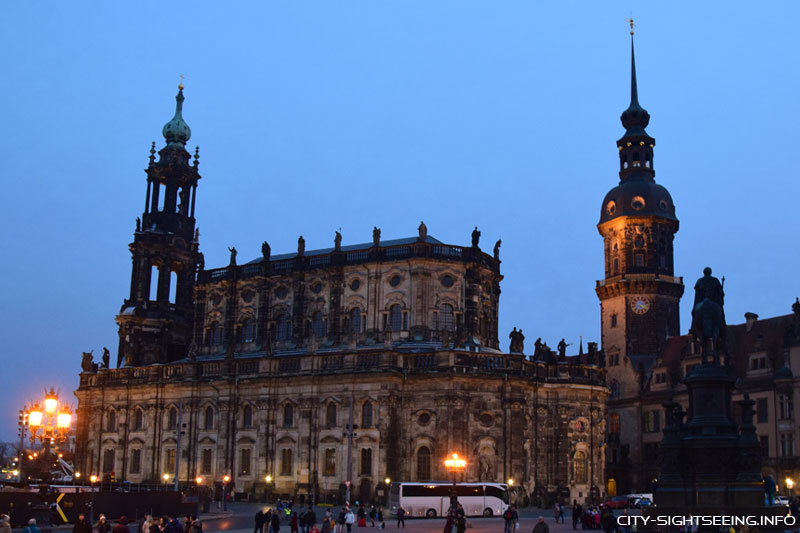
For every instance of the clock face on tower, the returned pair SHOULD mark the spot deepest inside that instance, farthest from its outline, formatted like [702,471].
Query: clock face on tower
[640,305]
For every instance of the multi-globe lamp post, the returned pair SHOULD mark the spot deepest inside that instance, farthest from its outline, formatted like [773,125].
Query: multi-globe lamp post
[50,421]
[456,464]
[225,479]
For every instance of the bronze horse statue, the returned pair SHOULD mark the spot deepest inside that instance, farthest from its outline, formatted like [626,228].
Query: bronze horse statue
[708,328]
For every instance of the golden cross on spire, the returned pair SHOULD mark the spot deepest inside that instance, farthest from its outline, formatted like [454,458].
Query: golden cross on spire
[630,21]
[180,85]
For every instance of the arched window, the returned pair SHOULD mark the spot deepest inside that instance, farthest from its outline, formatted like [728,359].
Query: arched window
[423,464]
[111,421]
[208,418]
[447,320]
[579,467]
[329,468]
[638,242]
[318,325]
[330,415]
[355,320]
[172,418]
[615,389]
[248,330]
[247,416]
[288,415]
[366,461]
[138,420]
[286,462]
[215,334]
[284,328]
[395,318]
[366,414]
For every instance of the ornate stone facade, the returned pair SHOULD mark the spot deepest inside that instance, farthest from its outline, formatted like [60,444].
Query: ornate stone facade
[259,369]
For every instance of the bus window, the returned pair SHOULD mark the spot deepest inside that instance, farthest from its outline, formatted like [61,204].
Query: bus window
[467,490]
[498,493]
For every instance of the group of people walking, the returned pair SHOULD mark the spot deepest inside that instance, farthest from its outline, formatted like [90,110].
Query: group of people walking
[306,520]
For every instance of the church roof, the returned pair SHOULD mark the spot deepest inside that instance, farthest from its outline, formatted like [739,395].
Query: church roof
[350,248]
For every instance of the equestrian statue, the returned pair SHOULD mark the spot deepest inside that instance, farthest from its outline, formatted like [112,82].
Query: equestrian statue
[708,316]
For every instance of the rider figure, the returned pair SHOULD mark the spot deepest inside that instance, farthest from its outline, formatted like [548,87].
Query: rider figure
[709,287]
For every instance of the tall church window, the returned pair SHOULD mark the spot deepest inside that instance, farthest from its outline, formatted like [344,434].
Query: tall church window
[616,266]
[447,320]
[284,328]
[248,329]
[286,462]
[288,415]
[787,445]
[614,320]
[247,416]
[318,325]
[423,464]
[395,318]
[579,467]
[208,418]
[244,461]
[136,461]
[206,462]
[366,461]
[330,415]
[138,420]
[215,334]
[638,242]
[172,418]
[366,414]
[153,296]
[169,461]
[108,461]
[355,320]
[615,389]
[638,259]
[111,420]
[329,468]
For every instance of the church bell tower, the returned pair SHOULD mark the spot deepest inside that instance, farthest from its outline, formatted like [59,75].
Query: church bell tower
[155,321]
[639,295]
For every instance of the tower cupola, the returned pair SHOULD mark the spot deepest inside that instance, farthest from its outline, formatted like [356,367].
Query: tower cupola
[176,131]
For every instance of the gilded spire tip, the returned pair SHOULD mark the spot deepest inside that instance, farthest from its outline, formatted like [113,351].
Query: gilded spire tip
[180,85]
[630,21]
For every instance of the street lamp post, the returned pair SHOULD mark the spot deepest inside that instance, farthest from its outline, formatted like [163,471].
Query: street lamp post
[225,480]
[92,480]
[48,422]
[268,488]
[456,464]
[198,482]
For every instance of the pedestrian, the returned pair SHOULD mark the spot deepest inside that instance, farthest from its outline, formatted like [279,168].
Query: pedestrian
[340,522]
[81,525]
[187,524]
[102,526]
[32,527]
[258,521]
[561,511]
[349,520]
[380,518]
[174,526]
[401,517]
[275,522]
[293,525]
[5,524]
[508,517]
[197,525]
[326,526]
[576,514]
[155,526]
[121,525]
[362,516]
[541,526]
[461,523]
[372,514]
[311,518]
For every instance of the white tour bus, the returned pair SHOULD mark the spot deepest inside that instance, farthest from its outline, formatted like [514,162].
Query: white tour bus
[432,498]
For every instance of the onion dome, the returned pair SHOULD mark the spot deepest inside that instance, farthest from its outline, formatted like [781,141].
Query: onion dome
[176,131]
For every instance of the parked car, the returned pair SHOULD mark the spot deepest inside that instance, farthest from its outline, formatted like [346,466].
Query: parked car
[642,502]
[781,500]
[617,502]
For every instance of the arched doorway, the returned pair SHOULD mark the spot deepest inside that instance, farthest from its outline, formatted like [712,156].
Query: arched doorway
[365,491]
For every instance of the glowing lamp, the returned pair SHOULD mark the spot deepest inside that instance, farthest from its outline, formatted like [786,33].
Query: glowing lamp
[50,404]
[64,420]
[789,483]
[387,481]
[15,473]
[455,462]
[77,474]
[93,478]
[198,480]
[35,418]
[510,482]
[268,479]
[166,477]
[226,478]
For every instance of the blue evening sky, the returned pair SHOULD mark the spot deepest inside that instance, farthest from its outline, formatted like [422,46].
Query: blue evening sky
[312,116]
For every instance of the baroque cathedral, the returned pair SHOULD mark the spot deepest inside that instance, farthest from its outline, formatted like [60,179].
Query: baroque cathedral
[298,372]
